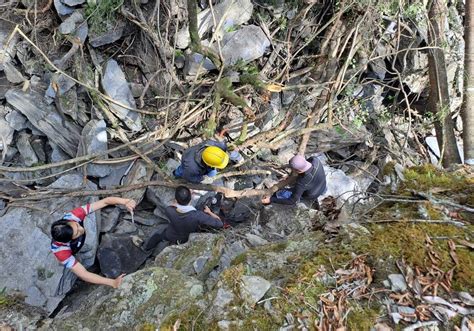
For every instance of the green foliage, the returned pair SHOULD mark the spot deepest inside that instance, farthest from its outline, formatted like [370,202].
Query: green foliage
[101,14]
[361,318]
[231,28]
[3,298]
[413,10]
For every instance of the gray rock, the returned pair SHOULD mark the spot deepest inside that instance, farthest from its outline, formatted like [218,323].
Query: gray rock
[112,34]
[61,84]
[14,76]
[232,13]
[200,263]
[46,119]
[3,204]
[136,89]
[117,255]
[73,2]
[205,247]
[4,84]
[171,165]
[255,240]
[223,298]
[125,227]
[62,9]
[57,155]
[193,66]
[287,221]
[16,120]
[253,288]
[143,218]
[339,185]
[229,325]
[116,87]
[27,153]
[139,173]
[116,175]
[94,140]
[397,282]
[68,104]
[158,292]
[246,44]
[38,146]
[6,133]
[70,23]
[161,196]
[109,218]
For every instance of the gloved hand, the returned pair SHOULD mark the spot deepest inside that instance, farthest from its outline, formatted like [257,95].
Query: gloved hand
[212,173]
[207,180]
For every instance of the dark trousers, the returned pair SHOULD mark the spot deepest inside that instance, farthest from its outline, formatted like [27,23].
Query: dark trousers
[156,238]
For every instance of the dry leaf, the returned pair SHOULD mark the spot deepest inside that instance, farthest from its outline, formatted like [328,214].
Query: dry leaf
[274,87]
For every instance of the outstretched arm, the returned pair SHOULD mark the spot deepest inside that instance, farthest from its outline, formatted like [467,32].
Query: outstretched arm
[90,277]
[128,203]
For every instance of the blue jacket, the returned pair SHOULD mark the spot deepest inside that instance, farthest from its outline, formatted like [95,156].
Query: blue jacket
[309,185]
[193,167]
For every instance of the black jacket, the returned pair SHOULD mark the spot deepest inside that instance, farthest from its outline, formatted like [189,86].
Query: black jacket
[193,167]
[309,185]
[183,224]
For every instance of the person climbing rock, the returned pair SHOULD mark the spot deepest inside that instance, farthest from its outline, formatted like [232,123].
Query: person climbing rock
[184,220]
[310,183]
[201,162]
[68,237]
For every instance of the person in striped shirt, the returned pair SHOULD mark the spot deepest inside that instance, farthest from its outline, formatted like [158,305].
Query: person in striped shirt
[69,236]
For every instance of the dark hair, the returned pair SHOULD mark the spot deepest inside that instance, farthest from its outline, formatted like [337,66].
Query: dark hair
[61,231]
[182,195]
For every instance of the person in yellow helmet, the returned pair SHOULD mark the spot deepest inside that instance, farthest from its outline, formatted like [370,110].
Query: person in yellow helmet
[201,162]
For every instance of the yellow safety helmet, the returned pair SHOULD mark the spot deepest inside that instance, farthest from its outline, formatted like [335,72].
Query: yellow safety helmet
[215,157]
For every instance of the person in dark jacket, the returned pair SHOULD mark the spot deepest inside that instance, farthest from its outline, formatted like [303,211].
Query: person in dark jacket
[184,220]
[310,184]
[200,163]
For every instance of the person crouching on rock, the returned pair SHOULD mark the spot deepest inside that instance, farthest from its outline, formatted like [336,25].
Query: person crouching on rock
[184,220]
[201,162]
[310,183]
[69,236]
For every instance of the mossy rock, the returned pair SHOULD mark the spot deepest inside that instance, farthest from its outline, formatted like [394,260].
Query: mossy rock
[276,262]
[145,298]
[204,246]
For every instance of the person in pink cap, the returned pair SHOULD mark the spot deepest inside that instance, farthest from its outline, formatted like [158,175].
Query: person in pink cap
[310,184]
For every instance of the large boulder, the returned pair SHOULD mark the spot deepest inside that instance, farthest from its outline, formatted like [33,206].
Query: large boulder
[281,221]
[116,86]
[197,257]
[27,265]
[144,300]
[117,255]
[94,140]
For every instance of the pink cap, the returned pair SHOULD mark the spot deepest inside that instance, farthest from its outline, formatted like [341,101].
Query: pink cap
[299,163]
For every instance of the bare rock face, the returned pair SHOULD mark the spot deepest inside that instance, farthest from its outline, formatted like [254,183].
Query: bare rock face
[146,297]
[94,140]
[116,87]
[46,119]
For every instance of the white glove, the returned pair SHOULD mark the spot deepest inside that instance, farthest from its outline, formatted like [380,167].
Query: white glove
[207,180]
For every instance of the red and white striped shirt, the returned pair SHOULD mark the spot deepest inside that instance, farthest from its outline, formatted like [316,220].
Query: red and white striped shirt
[64,251]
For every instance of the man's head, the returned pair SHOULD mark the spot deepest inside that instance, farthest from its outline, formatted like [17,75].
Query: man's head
[299,164]
[183,195]
[64,230]
[215,157]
